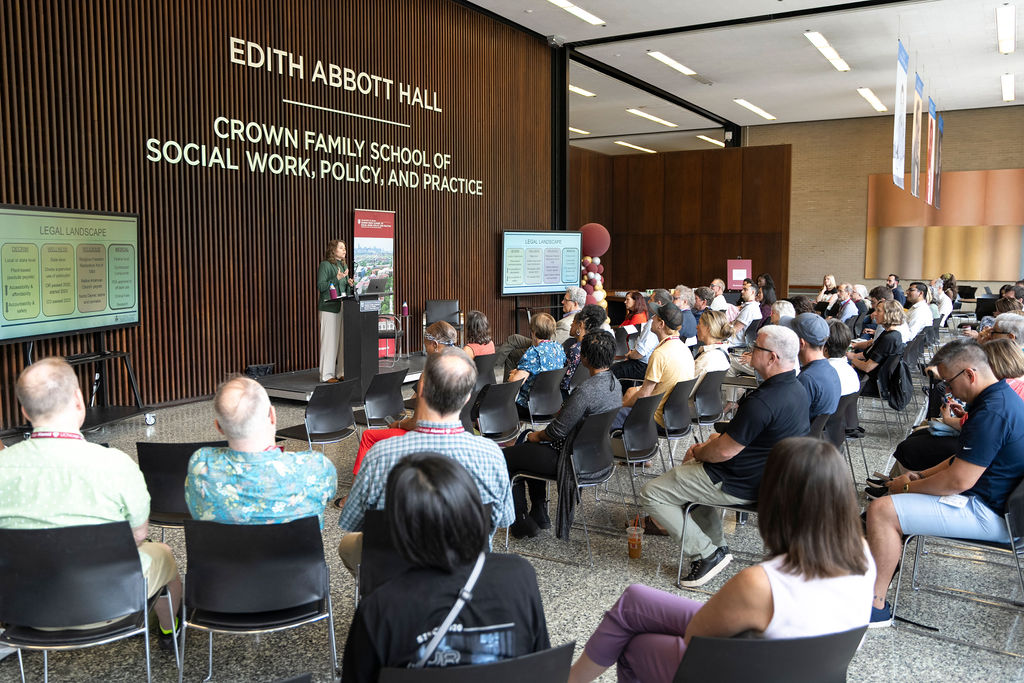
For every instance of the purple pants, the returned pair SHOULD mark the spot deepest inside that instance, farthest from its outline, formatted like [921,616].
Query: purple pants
[643,633]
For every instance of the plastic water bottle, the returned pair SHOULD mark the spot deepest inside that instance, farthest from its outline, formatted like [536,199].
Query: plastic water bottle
[333,291]
[405,308]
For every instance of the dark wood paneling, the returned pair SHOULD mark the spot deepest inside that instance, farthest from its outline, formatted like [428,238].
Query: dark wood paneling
[722,189]
[683,192]
[590,199]
[228,257]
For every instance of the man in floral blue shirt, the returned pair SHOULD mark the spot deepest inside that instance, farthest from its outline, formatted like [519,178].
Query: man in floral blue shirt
[543,355]
[253,480]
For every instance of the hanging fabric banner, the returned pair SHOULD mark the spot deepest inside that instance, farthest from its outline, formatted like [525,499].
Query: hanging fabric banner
[929,195]
[373,261]
[899,122]
[915,139]
[938,163]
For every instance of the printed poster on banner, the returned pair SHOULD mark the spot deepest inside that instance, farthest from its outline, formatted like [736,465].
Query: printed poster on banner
[373,254]
[899,122]
[915,140]
[929,195]
[938,163]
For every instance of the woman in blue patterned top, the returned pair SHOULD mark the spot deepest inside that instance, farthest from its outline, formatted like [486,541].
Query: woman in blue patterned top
[590,318]
[542,356]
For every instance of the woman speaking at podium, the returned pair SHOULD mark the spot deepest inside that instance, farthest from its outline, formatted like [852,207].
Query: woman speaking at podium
[332,282]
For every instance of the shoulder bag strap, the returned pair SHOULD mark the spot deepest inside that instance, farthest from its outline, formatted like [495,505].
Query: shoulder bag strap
[465,595]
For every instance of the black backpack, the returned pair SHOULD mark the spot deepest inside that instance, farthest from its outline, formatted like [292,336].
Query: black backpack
[895,384]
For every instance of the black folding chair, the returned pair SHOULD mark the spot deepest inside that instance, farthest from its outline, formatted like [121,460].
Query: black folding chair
[548,666]
[545,396]
[69,576]
[835,431]
[255,578]
[707,400]
[818,426]
[621,342]
[329,416]
[637,441]
[164,467]
[677,417]
[383,401]
[447,310]
[496,416]
[816,659]
[484,370]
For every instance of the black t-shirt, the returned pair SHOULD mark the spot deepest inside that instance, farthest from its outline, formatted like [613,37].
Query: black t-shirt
[887,343]
[394,624]
[777,409]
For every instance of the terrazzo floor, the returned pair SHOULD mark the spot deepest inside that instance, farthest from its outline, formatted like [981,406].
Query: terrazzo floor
[574,594]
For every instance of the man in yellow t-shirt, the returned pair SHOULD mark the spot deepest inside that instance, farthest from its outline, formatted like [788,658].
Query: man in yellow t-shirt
[670,362]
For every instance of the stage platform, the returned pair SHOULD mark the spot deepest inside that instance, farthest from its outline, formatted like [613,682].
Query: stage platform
[298,385]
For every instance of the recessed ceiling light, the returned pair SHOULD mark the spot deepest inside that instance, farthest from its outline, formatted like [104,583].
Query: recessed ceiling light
[1006,28]
[636,147]
[826,50]
[754,108]
[872,99]
[1008,94]
[652,117]
[713,141]
[581,91]
[579,131]
[578,12]
[668,61]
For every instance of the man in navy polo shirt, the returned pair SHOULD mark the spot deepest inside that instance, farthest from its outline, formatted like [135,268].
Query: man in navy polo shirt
[818,377]
[727,468]
[965,496]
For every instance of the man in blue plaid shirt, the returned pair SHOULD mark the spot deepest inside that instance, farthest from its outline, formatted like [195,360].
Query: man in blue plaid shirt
[447,382]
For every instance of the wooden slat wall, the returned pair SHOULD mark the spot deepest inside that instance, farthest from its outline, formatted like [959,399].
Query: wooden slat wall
[228,257]
[676,217]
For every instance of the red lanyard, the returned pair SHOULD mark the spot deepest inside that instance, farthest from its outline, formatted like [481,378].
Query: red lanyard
[57,435]
[674,336]
[275,447]
[440,430]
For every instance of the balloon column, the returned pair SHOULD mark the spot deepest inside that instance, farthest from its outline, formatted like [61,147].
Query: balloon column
[595,243]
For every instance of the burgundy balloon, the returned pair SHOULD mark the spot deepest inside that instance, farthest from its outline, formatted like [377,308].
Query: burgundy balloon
[600,269]
[590,297]
[589,289]
[596,239]
[591,268]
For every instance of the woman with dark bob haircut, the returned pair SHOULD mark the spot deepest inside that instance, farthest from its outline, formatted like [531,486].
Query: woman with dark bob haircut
[818,579]
[440,527]
[478,335]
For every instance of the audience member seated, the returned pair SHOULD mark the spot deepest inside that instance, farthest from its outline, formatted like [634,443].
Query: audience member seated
[888,316]
[765,299]
[718,289]
[727,467]
[448,379]
[436,338]
[765,280]
[56,478]
[801,304]
[818,377]
[987,467]
[634,366]
[545,453]
[511,352]
[1015,291]
[1009,326]
[671,362]
[636,310]
[438,524]
[781,310]
[893,284]
[858,296]
[713,332]
[253,480]
[836,346]
[1002,306]
[844,308]
[817,581]
[684,299]
[544,355]
[590,319]
[879,293]
[702,298]
[750,314]
[478,335]
[919,315]
[828,293]
[939,298]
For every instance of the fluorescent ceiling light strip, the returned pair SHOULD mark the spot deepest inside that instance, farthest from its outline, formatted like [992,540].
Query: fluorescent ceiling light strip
[669,62]
[1008,94]
[578,12]
[1006,28]
[713,141]
[872,99]
[754,108]
[579,131]
[652,117]
[581,91]
[636,147]
[826,50]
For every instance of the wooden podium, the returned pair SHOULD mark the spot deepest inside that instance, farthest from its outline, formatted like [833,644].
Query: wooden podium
[360,333]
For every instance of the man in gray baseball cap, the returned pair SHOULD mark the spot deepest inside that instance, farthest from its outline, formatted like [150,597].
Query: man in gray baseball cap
[818,377]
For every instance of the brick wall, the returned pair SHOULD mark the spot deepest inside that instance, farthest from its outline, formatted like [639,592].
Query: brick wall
[831,164]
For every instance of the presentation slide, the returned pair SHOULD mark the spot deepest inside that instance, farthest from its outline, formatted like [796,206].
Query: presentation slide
[539,262]
[63,272]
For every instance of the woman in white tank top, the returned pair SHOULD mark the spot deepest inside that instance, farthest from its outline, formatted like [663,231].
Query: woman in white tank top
[819,579]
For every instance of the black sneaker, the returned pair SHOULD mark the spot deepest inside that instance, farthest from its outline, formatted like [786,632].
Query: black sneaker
[165,641]
[705,569]
[539,513]
[524,527]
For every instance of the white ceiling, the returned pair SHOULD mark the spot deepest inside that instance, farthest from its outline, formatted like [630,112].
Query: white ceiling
[952,43]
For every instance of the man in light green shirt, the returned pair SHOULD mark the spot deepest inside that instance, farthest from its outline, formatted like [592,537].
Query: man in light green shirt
[57,478]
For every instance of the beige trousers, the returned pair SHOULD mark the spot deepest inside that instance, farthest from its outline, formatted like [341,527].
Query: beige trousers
[332,346]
